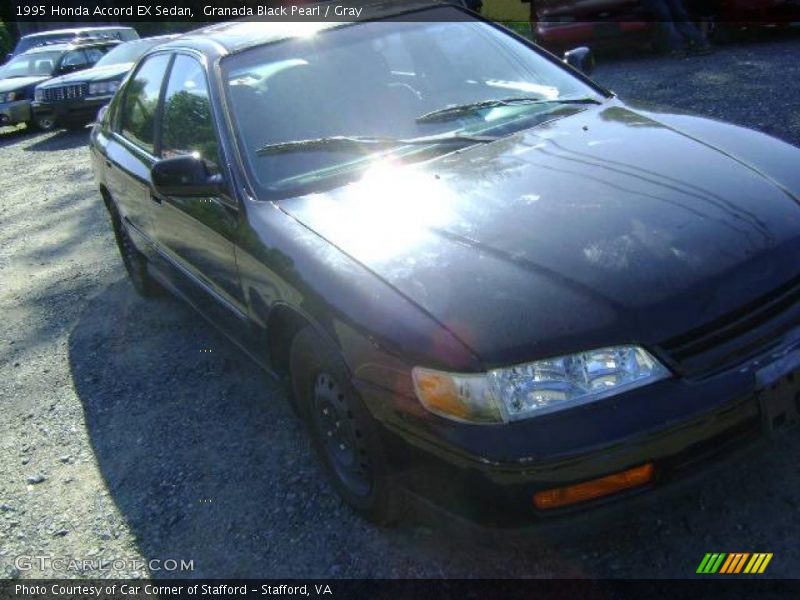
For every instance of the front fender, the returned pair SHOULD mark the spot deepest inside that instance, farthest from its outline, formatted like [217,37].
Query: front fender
[775,159]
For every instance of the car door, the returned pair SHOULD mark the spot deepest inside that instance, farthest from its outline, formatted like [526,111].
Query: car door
[130,150]
[196,234]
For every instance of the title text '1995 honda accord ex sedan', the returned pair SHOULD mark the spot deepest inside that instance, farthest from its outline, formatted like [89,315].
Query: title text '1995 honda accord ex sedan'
[490,283]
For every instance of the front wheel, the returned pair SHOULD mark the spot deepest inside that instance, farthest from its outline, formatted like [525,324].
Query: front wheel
[134,261]
[44,123]
[342,430]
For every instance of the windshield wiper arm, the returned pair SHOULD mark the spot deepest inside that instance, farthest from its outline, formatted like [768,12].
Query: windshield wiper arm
[343,142]
[456,110]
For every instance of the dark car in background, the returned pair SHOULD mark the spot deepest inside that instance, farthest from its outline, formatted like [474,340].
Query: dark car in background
[20,76]
[73,34]
[74,99]
[561,24]
[483,285]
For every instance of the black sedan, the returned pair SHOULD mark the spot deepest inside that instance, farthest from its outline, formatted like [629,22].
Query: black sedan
[487,281]
[74,99]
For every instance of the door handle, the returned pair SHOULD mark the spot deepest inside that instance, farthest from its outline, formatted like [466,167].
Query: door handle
[109,164]
[155,198]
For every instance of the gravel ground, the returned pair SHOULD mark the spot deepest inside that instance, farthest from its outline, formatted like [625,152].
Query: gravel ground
[130,429]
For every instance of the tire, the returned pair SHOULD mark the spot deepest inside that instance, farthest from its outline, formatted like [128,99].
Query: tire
[134,261]
[44,123]
[343,432]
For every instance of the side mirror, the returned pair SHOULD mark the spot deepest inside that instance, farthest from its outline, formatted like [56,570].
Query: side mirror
[580,58]
[185,175]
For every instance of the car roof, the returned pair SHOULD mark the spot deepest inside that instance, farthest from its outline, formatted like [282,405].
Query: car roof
[166,36]
[73,30]
[62,47]
[235,36]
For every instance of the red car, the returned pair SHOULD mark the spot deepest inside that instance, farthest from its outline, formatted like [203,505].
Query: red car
[562,24]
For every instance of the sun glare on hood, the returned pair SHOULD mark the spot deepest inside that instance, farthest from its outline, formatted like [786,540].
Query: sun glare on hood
[387,211]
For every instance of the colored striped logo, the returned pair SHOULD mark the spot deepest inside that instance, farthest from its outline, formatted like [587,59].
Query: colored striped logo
[734,562]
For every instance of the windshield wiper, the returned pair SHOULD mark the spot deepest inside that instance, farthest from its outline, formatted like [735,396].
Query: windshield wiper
[344,142]
[456,110]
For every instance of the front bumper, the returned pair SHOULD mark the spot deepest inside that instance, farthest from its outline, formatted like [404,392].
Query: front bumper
[71,111]
[488,475]
[13,113]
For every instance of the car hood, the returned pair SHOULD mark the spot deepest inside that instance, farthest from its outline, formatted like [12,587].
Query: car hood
[600,228]
[103,73]
[18,83]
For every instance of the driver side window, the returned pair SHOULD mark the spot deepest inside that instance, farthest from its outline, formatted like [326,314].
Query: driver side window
[187,123]
[137,120]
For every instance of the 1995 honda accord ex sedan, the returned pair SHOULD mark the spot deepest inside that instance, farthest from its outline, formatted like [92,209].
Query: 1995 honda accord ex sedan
[490,283]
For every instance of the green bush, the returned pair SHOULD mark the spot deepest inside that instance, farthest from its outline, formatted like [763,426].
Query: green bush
[6,39]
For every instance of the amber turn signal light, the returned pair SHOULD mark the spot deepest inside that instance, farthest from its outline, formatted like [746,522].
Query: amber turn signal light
[596,488]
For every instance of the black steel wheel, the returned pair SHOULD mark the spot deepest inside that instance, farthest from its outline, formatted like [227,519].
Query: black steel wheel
[334,422]
[342,429]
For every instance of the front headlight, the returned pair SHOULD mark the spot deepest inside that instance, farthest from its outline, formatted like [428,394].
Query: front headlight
[536,388]
[8,97]
[103,87]
[38,95]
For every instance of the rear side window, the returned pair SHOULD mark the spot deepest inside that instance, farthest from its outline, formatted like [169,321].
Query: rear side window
[95,54]
[137,121]
[187,124]
[75,58]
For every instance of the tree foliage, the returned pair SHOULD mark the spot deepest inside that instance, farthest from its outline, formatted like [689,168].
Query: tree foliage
[6,39]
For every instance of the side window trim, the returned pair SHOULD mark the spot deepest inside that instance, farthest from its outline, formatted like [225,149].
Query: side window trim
[160,106]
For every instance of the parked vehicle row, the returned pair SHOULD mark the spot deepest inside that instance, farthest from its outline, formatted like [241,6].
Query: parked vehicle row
[65,84]
[20,76]
[75,98]
[488,281]
[71,35]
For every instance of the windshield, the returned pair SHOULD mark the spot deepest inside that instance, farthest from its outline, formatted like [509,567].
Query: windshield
[34,64]
[128,52]
[378,79]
